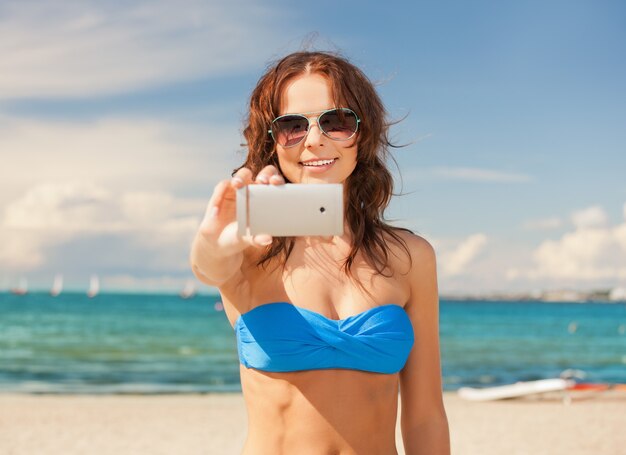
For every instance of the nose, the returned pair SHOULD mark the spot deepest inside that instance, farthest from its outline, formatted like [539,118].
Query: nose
[314,136]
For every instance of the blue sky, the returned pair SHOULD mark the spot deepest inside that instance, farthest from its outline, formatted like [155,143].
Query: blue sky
[117,118]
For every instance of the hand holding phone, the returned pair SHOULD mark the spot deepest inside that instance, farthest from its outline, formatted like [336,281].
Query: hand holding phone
[218,229]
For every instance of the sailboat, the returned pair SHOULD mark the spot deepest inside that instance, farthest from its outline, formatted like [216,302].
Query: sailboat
[22,288]
[57,285]
[94,286]
[189,290]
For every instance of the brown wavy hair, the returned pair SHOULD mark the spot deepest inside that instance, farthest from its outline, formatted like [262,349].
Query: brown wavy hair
[369,187]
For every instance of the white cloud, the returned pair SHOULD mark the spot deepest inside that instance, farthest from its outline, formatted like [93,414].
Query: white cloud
[101,196]
[50,216]
[590,217]
[19,250]
[592,252]
[143,208]
[84,48]
[455,262]
[74,206]
[133,154]
[578,254]
[587,257]
[619,234]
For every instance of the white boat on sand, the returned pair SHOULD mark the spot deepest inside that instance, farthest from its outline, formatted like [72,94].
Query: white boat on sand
[519,389]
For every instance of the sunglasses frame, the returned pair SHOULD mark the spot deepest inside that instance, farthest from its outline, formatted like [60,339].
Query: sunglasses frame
[317,120]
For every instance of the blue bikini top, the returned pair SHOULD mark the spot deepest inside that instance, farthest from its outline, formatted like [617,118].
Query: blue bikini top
[280,337]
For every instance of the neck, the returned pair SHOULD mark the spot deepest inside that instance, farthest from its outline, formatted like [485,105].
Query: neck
[344,238]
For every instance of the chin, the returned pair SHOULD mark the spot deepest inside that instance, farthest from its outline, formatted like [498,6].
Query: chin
[329,179]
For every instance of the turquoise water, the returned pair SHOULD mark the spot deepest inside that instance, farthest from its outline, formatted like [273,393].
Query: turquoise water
[504,342]
[120,343]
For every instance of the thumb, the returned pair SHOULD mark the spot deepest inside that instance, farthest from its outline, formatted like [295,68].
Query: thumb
[262,240]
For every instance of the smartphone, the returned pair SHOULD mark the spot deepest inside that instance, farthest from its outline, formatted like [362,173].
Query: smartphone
[290,210]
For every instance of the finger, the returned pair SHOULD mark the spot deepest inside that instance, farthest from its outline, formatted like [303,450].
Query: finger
[242,178]
[216,199]
[277,180]
[266,174]
[262,240]
[259,240]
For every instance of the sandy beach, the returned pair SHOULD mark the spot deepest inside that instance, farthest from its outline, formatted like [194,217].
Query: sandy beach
[216,424]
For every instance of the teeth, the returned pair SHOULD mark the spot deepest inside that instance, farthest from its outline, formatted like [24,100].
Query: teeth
[318,163]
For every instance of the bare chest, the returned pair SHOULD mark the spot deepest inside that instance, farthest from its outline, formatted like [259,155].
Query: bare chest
[314,278]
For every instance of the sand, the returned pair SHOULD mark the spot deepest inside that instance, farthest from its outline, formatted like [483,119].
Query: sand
[216,424]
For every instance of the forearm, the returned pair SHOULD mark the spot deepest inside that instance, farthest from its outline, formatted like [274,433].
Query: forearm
[431,437]
[212,265]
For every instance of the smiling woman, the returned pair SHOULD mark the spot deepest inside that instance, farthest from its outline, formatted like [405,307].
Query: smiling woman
[318,161]
[326,328]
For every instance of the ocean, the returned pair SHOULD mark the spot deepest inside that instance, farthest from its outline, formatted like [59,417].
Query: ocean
[152,344]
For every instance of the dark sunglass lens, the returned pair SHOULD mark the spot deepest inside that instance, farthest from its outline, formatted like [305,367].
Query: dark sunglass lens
[339,124]
[289,130]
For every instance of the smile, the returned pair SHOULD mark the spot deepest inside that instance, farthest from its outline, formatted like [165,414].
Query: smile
[318,163]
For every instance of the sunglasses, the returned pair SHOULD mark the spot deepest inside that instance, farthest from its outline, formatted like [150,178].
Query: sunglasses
[339,124]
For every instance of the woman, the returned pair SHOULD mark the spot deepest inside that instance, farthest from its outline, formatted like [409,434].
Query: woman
[328,328]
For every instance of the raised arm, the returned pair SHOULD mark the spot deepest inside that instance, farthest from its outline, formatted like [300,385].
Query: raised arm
[424,423]
[217,250]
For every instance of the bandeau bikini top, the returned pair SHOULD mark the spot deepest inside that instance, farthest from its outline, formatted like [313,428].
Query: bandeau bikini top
[281,337]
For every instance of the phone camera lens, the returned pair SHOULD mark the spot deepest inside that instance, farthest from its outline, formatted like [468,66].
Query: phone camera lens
[322,209]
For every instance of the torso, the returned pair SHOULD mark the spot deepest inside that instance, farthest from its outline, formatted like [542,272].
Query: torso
[334,411]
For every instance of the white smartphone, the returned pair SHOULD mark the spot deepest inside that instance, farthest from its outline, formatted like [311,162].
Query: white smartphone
[290,210]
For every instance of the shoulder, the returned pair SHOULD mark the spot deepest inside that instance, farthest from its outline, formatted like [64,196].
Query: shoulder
[418,273]
[421,252]
[418,245]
